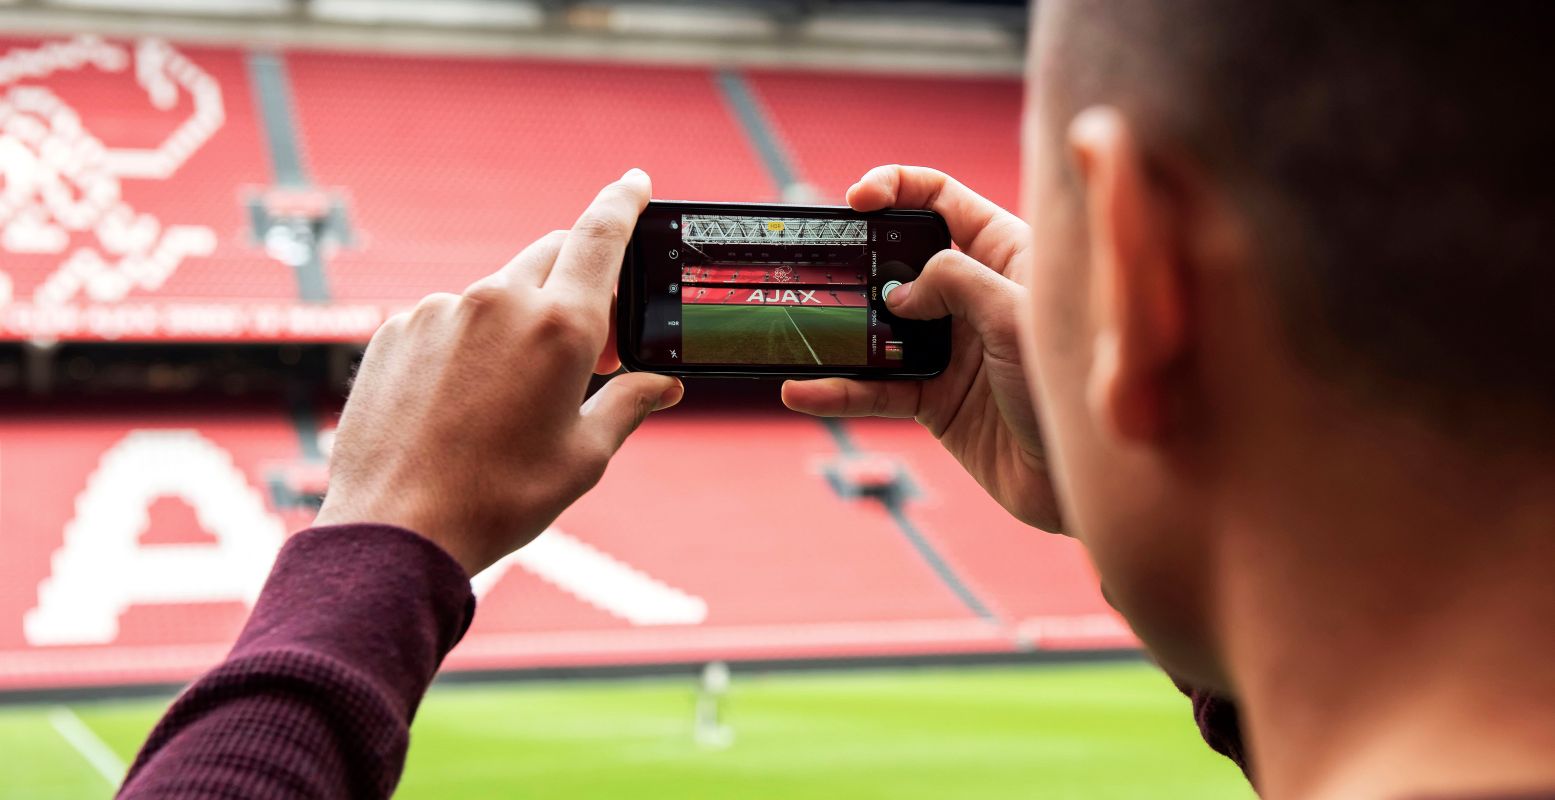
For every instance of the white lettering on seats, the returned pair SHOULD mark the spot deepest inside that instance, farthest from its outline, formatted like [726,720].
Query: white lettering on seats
[599,579]
[800,297]
[101,569]
[61,181]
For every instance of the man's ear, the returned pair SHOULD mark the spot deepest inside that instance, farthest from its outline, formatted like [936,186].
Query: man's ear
[1138,294]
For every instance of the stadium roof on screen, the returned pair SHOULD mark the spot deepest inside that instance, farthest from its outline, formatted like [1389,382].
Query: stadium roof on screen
[720,229]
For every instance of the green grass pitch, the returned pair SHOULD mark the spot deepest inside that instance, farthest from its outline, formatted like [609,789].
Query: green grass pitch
[1077,731]
[773,334]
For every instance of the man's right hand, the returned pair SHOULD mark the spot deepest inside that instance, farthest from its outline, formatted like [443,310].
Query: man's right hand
[467,422]
[980,408]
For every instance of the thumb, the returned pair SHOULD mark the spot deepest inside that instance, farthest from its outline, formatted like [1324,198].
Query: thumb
[625,401]
[957,285]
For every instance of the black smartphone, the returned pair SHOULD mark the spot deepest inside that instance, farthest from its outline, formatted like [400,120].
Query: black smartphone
[747,290]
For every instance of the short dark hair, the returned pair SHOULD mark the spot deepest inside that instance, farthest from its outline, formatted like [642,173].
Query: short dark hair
[1397,160]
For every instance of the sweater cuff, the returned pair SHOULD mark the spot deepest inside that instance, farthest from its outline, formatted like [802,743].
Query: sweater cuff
[381,600]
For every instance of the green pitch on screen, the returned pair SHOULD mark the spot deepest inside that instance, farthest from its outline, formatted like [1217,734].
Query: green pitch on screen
[774,334]
[1094,731]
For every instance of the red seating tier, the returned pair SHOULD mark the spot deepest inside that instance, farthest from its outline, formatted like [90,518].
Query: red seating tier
[455,164]
[780,565]
[839,125]
[844,274]
[447,166]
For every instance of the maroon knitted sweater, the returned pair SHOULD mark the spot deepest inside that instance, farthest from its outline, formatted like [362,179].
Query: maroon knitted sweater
[316,697]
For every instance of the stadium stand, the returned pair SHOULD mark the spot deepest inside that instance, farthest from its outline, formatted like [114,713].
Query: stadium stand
[843,275]
[140,507]
[142,504]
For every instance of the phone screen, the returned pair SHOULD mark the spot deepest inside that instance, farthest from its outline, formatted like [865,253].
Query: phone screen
[781,289]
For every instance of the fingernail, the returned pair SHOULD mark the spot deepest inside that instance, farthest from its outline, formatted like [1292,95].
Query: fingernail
[633,171]
[896,290]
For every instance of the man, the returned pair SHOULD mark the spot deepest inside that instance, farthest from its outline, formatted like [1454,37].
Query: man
[1282,364]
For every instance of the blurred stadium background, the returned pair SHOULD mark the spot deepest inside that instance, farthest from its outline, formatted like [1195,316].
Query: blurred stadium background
[207,206]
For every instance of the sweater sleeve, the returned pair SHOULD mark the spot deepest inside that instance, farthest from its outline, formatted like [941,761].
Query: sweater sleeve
[1216,717]
[317,696]
[1219,724]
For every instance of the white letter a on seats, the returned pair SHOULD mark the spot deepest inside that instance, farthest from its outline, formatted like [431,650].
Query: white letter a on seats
[102,569]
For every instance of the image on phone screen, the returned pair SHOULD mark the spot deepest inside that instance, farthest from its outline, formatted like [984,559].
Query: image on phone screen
[770,290]
[779,287]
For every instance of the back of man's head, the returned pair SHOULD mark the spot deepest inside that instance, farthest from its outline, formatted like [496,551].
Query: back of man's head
[1394,159]
[1288,324]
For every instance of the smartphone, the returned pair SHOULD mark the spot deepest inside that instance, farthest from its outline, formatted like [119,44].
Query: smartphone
[747,290]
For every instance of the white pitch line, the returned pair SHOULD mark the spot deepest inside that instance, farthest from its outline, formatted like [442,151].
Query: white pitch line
[93,749]
[801,335]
